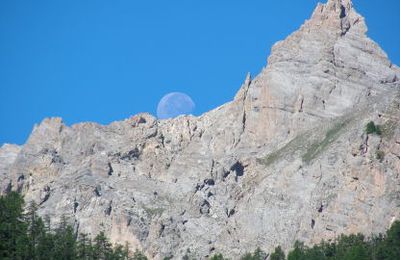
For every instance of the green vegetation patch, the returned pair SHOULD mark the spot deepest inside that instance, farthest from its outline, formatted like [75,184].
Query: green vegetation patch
[309,143]
[294,145]
[371,128]
[331,135]
[154,211]
[380,155]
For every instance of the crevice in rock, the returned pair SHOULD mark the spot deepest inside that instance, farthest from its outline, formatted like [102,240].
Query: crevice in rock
[226,174]
[212,168]
[301,105]
[199,187]
[389,80]
[312,223]
[130,155]
[342,12]
[364,146]
[21,178]
[205,207]
[110,169]
[20,183]
[246,86]
[238,168]
[98,191]
[76,205]
[209,182]
[129,221]
[137,120]
[345,26]
[161,231]
[46,195]
[230,213]
[108,210]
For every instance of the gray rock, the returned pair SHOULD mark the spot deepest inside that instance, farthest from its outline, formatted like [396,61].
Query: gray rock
[287,159]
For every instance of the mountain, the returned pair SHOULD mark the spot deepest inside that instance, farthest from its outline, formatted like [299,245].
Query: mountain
[288,159]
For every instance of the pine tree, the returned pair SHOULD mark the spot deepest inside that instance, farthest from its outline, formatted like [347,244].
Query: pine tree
[120,253]
[13,238]
[257,255]
[102,247]
[392,244]
[139,255]
[278,254]
[36,231]
[65,241]
[84,247]
[45,247]
[298,253]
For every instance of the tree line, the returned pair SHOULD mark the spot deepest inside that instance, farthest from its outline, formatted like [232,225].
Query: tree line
[346,247]
[26,236]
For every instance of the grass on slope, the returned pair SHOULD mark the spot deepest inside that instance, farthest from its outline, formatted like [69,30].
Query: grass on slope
[309,144]
[317,147]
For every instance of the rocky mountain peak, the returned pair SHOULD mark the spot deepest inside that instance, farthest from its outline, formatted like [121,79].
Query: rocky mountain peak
[319,72]
[287,159]
[337,15]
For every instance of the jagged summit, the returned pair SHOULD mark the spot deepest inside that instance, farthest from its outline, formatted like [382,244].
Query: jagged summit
[288,159]
[337,14]
[320,71]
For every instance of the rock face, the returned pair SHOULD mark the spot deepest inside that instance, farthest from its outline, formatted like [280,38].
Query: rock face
[288,159]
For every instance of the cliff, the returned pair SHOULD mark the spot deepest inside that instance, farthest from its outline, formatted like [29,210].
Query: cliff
[288,159]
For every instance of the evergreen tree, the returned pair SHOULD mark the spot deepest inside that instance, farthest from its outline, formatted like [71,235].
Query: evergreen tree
[298,253]
[65,241]
[36,231]
[102,247]
[139,256]
[84,250]
[392,244]
[120,253]
[13,230]
[45,247]
[278,254]
[351,247]
[257,255]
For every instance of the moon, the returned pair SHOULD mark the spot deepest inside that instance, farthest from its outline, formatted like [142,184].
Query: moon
[174,104]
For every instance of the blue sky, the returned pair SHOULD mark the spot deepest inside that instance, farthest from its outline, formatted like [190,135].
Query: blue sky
[98,60]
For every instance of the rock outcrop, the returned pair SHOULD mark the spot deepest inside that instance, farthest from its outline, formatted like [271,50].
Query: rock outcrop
[288,159]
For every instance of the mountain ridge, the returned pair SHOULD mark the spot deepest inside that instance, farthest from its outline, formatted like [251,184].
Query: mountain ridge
[288,158]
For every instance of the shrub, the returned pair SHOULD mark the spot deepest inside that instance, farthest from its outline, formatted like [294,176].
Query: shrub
[218,257]
[371,128]
[380,155]
[138,255]
[257,255]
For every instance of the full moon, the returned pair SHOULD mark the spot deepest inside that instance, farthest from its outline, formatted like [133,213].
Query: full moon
[174,104]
